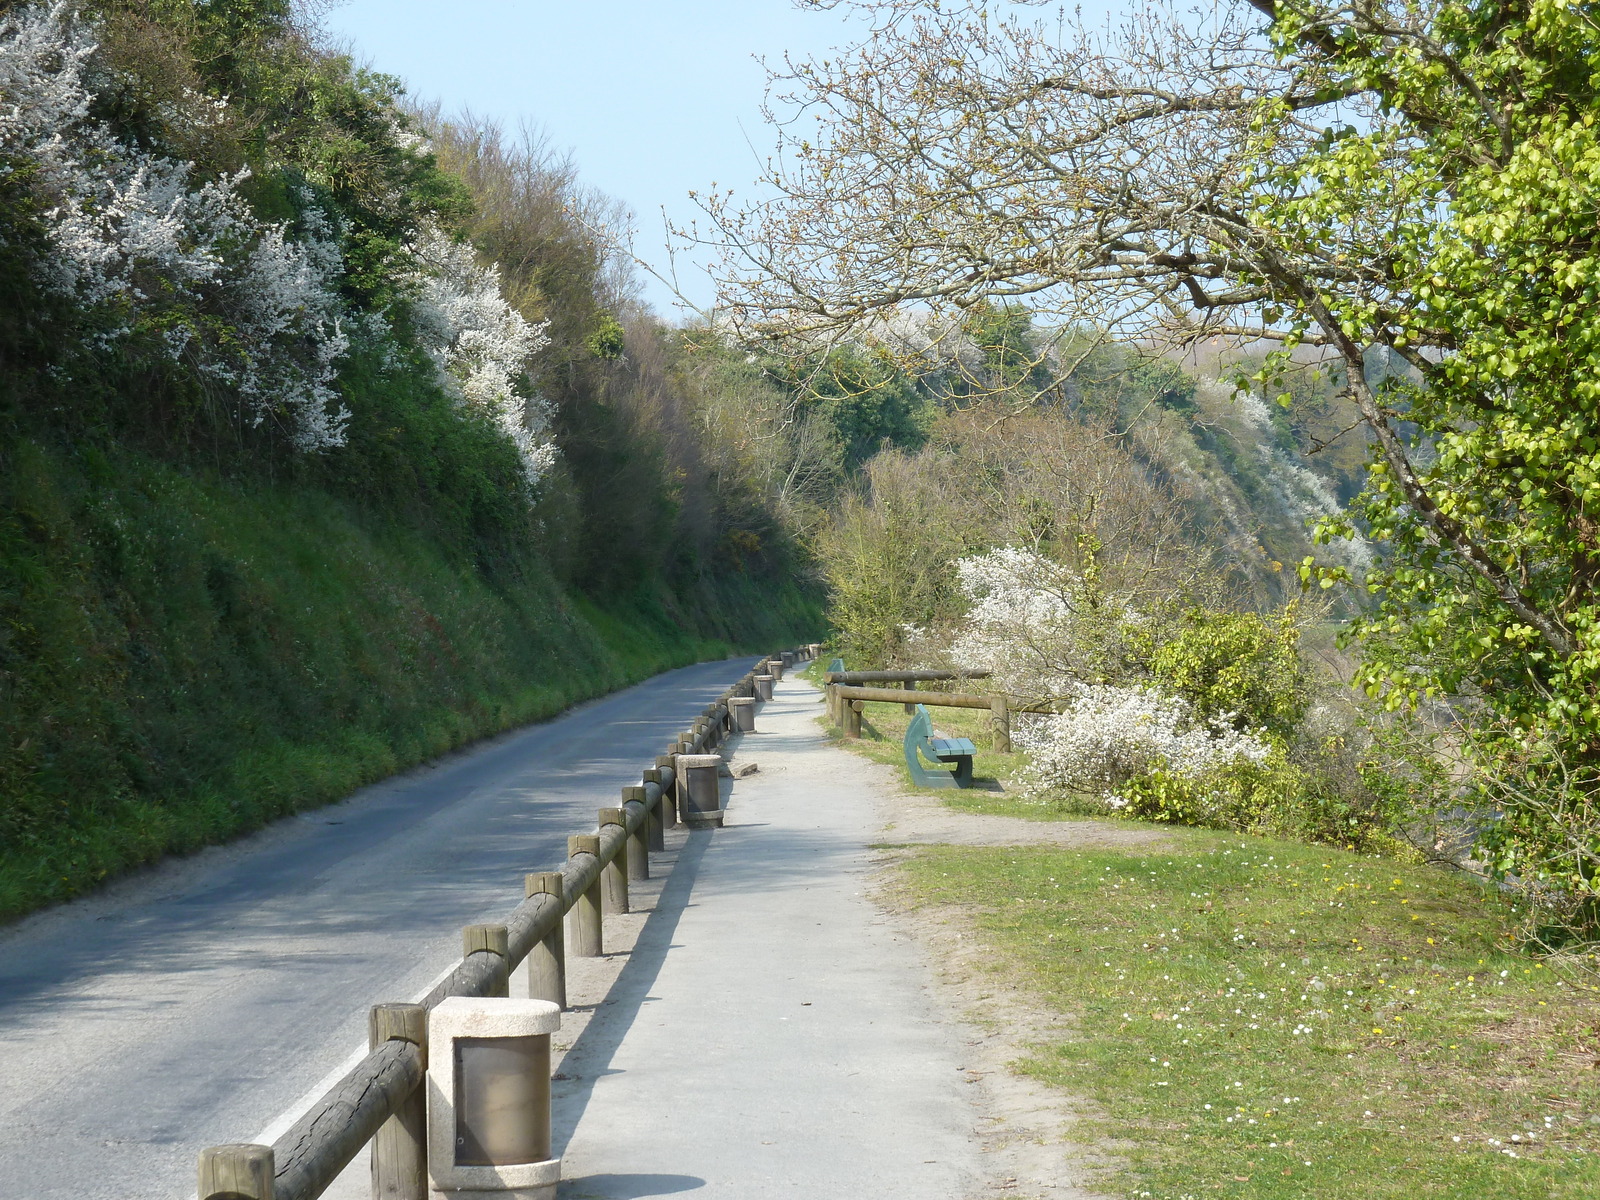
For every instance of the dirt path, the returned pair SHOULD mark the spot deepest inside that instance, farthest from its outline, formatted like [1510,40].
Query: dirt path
[1030,1132]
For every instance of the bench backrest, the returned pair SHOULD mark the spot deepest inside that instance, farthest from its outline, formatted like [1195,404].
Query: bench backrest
[919,737]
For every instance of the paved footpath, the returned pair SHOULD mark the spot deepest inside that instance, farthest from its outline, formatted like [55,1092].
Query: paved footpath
[211,999]
[771,1035]
[756,1029]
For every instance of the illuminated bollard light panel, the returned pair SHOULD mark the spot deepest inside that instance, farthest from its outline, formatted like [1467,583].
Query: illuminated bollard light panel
[489,1099]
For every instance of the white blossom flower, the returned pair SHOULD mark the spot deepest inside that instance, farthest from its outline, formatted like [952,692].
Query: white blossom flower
[130,228]
[1019,614]
[481,345]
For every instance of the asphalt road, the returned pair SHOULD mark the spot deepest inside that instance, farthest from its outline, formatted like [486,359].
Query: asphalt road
[196,1003]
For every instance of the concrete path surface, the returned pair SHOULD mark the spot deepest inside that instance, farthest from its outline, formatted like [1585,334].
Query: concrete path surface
[208,1000]
[771,1035]
[756,1028]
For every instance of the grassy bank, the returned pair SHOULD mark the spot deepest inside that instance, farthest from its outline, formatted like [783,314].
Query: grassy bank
[184,657]
[1271,1020]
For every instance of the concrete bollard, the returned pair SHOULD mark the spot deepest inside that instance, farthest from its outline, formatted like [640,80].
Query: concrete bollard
[775,667]
[744,714]
[764,687]
[702,790]
[400,1147]
[547,962]
[788,659]
[584,921]
[489,1098]
[614,875]
[236,1172]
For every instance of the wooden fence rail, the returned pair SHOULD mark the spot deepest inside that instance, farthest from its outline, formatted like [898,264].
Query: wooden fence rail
[854,677]
[380,1099]
[845,703]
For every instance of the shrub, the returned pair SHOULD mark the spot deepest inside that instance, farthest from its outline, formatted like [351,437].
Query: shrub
[1272,795]
[1238,666]
[1113,737]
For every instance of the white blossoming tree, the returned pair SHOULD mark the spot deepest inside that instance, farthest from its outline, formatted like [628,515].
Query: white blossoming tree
[1043,633]
[251,305]
[481,345]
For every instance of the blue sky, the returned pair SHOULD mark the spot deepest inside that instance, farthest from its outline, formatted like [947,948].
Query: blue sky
[653,99]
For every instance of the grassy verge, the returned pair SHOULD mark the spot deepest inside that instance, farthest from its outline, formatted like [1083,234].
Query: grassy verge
[184,658]
[1271,1020]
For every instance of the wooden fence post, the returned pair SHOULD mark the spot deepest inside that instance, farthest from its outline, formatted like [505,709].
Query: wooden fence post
[614,875]
[490,939]
[669,799]
[236,1172]
[655,827]
[1000,724]
[400,1147]
[547,962]
[852,717]
[585,912]
[639,839]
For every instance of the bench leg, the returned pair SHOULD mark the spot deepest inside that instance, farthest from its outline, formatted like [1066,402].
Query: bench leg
[964,771]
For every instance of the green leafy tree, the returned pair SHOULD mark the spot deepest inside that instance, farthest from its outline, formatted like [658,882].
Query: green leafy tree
[869,402]
[1417,180]
[1239,666]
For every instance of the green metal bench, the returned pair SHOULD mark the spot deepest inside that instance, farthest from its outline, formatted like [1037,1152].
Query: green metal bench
[920,743]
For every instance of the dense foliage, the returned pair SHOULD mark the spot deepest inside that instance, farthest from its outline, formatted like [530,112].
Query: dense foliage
[331,436]
[1405,191]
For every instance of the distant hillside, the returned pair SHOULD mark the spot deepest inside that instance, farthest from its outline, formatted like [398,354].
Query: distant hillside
[1259,473]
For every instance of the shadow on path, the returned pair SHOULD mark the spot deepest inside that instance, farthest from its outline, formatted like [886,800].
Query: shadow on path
[627,1187]
[589,1057]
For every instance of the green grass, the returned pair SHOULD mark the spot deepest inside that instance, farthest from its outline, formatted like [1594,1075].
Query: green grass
[184,657]
[1272,1020]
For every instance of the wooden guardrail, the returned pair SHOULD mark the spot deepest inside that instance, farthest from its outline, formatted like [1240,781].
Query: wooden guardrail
[857,677]
[904,678]
[381,1100]
[845,703]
